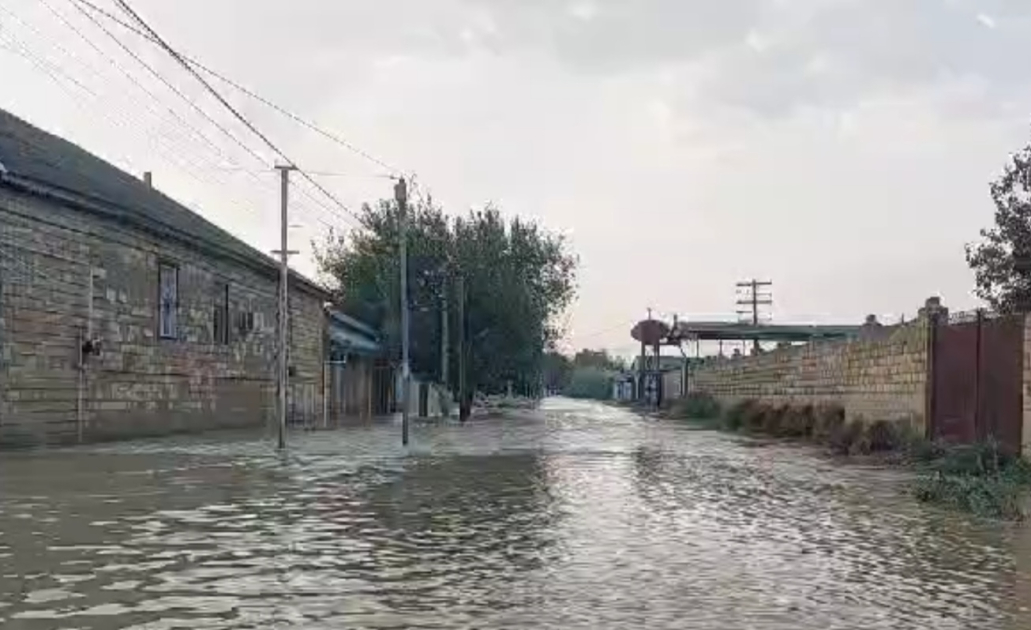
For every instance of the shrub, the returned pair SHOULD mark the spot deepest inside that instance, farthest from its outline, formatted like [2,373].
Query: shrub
[924,451]
[883,436]
[844,437]
[996,496]
[828,419]
[773,420]
[981,478]
[755,417]
[798,422]
[696,405]
[735,416]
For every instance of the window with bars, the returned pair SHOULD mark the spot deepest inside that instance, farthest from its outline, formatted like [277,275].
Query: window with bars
[168,302]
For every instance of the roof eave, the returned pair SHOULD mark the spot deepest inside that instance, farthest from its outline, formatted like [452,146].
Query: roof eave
[110,211]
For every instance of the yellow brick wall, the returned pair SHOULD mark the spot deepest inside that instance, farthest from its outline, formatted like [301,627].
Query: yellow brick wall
[883,378]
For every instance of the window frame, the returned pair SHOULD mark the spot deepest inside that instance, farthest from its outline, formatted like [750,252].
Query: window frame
[163,266]
[221,310]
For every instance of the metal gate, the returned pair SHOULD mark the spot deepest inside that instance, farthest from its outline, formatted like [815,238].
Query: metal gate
[976,380]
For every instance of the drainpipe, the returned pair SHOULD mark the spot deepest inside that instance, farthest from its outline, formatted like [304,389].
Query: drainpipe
[80,410]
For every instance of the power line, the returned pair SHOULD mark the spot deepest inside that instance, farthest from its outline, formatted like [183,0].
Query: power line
[196,108]
[175,115]
[251,93]
[60,77]
[179,59]
[53,70]
[174,89]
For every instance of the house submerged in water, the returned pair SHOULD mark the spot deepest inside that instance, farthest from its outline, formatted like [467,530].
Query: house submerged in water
[125,314]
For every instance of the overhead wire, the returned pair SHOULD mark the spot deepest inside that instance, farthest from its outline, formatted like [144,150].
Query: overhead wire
[54,70]
[198,133]
[251,93]
[62,79]
[235,112]
[172,142]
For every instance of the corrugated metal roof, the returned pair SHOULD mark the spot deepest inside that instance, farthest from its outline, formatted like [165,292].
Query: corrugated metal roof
[768,332]
[356,324]
[353,343]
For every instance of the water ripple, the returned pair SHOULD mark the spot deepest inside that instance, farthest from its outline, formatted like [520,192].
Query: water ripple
[577,516]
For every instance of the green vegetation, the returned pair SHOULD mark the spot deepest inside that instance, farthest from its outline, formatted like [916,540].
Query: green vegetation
[982,479]
[1002,260]
[589,382]
[518,280]
[979,478]
[588,374]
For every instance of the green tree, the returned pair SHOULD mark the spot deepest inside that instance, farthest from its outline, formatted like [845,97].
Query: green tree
[518,279]
[597,359]
[590,382]
[557,371]
[1001,261]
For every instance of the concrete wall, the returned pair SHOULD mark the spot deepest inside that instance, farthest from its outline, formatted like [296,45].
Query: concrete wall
[673,383]
[65,272]
[884,377]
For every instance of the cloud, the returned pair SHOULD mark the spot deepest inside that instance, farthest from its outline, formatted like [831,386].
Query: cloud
[845,50]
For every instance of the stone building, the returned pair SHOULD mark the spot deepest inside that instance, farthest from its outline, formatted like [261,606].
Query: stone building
[123,313]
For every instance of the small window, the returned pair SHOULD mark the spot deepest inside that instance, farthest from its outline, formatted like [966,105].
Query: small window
[168,308]
[245,323]
[220,316]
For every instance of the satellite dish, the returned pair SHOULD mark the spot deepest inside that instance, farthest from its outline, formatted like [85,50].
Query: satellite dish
[650,331]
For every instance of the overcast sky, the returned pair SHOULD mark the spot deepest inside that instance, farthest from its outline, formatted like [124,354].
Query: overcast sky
[840,148]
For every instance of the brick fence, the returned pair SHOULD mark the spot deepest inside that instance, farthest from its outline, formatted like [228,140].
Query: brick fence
[880,378]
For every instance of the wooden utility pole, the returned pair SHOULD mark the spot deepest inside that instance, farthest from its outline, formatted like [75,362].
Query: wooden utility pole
[401,196]
[284,278]
[753,299]
[463,402]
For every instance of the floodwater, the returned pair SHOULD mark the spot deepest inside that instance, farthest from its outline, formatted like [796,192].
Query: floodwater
[574,516]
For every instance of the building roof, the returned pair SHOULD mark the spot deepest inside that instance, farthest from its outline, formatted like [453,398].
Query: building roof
[352,336]
[767,332]
[46,164]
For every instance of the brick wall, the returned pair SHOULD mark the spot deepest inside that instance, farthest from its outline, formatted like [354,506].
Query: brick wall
[65,272]
[879,378]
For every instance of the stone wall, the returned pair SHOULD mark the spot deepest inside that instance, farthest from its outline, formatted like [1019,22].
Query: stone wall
[883,377]
[67,275]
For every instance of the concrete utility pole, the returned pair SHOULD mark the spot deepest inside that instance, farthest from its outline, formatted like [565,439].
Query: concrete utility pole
[284,277]
[754,299]
[463,404]
[445,333]
[401,196]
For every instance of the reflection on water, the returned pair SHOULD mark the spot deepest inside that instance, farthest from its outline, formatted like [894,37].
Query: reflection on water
[578,516]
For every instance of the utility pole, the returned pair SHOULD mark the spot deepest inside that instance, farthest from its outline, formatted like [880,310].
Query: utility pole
[754,298]
[463,405]
[401,196]
[284,277]
[445,333]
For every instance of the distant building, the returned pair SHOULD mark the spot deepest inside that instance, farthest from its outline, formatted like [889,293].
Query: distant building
[123,313]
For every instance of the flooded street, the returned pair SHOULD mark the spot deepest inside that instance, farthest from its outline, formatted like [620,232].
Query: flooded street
[576,516]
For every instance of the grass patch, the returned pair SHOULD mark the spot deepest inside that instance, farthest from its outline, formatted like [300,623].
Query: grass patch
[695,406]
[981,478]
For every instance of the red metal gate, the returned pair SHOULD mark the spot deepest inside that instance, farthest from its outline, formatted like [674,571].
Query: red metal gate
[976,384]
